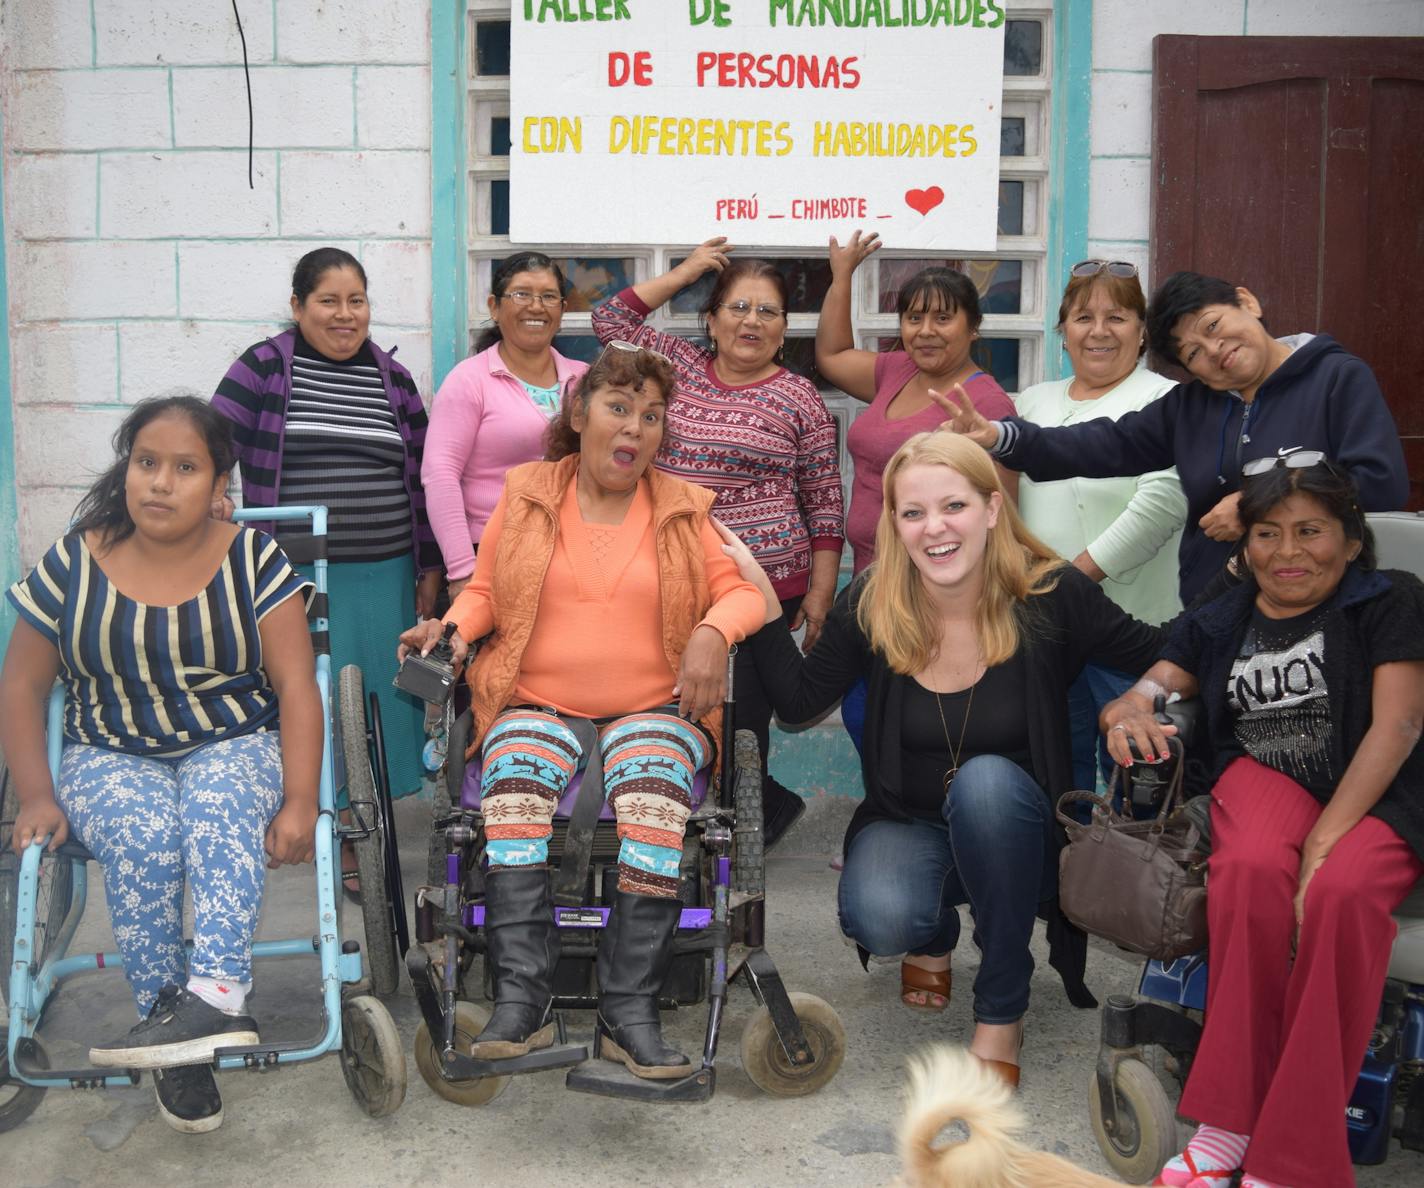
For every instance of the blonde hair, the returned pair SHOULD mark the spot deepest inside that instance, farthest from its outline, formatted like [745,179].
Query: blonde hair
[896,612]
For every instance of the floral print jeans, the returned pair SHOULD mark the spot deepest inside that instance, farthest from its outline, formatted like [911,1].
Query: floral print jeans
[154,824]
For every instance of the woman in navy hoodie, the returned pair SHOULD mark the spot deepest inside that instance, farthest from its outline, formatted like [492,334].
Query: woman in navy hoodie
[1253,396]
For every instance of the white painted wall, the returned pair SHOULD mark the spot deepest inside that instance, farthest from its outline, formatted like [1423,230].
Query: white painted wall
[138,259]
[1121,133]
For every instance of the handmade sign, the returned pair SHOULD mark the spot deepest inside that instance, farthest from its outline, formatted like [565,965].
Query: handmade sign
[776,122]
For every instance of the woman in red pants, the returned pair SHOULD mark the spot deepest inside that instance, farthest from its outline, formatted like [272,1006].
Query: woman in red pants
[1312,674]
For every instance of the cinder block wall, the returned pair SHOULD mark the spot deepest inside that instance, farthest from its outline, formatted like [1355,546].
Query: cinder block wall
[138,258]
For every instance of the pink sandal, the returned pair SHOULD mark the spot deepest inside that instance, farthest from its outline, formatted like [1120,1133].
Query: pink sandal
[1194,1177]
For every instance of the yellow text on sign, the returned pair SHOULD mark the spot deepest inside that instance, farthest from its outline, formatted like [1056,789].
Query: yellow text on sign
[553,134]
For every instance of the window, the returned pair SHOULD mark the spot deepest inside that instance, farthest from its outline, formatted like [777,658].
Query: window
[1010,280]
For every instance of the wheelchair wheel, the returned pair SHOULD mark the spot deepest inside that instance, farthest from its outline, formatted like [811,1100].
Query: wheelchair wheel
[469,1091]
[53,890]
[765,1062]
[1148,1134]
[749,855]
[376,916]
[18,1100]
[372,1059]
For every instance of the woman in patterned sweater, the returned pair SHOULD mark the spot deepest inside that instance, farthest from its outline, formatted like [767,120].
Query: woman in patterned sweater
[183,647]
[760,437]
[320,414]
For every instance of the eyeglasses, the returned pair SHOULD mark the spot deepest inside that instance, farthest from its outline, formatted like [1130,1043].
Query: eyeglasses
[524,297]
[740,309]
[1295,460]
[622,344]
[1119,268]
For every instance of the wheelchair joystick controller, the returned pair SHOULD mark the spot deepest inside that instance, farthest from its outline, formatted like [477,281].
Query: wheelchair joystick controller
[1151,776]
[430,677]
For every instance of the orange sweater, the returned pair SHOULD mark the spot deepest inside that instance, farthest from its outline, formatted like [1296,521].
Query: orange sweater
[596,648]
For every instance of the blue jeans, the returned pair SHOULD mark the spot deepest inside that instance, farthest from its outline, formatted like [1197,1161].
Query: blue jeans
[1093,689]
[994,849]
[153,824]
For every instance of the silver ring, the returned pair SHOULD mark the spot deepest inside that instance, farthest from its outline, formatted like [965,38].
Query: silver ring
[1119,726]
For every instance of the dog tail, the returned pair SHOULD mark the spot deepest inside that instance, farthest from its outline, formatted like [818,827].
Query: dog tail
[948,1085]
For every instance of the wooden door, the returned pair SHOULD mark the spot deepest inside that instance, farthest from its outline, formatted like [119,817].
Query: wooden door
[1295,166]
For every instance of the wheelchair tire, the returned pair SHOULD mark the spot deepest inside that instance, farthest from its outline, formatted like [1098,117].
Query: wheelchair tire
[470,1020]
[749,851]
[1149,1132]
[764,1060]
[53,891]
[372,1058]
[382,965]
[18,1100]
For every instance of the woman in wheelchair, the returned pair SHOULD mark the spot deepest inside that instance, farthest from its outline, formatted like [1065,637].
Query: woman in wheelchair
[968,631]
[1311,670]
[608,597]
[182,646]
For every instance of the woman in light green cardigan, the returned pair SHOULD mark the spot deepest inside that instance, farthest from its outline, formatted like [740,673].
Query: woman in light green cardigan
[1121,532]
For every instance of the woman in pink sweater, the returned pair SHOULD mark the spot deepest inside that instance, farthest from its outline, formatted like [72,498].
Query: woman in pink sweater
[493,409]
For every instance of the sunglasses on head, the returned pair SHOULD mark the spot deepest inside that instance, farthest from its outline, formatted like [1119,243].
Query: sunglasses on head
[1295,460]
[1119,268]
[622,344]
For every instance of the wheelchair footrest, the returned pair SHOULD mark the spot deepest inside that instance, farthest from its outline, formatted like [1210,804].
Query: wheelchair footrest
[458,1067]
[609,1079]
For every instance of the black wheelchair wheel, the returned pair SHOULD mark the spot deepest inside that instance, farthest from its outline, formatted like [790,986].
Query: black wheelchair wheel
[749,850]
[368,839]
[470,1020]
[53,891]
[1146,1136]
[372,1058]
[18,1100]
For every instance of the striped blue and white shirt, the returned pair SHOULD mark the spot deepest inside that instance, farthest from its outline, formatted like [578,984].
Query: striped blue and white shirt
[160,680]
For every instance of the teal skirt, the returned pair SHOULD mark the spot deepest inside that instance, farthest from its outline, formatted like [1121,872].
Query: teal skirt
[371,604]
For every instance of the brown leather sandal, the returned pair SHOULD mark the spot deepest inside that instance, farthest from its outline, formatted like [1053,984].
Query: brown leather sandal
[914,980]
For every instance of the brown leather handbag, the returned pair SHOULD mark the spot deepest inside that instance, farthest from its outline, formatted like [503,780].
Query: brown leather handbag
[1139,884]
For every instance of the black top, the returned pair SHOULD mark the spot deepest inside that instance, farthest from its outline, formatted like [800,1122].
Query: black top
[934,730]
[1374,618]
[1062,630]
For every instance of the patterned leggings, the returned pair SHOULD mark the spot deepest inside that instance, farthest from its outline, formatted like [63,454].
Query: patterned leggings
[649,761]
[152,823]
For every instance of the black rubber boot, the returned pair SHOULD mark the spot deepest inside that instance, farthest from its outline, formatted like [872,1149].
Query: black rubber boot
[633,958]
[523,948]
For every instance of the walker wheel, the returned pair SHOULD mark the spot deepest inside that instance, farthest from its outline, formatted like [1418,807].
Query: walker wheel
[1147,1131]
[372,1058]
[764,1060]
[470,1020]
[18,1100]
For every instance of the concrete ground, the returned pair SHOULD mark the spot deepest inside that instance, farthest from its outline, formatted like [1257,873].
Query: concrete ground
[300,1126]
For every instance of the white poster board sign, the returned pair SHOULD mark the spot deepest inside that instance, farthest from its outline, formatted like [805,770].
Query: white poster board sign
[777,122]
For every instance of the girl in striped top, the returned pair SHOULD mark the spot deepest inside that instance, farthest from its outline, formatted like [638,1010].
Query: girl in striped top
[182,644]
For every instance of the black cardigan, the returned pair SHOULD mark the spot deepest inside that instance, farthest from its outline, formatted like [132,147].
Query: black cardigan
[1061,631]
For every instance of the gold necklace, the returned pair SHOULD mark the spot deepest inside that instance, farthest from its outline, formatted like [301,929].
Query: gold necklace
[956,751]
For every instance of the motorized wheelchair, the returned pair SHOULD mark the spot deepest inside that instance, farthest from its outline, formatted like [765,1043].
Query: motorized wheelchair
[43,896]
[793,1044]
[1149,1038]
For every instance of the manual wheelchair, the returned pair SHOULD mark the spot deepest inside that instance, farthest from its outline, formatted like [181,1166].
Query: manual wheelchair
[1149,1038]
[792,1046]
[43,897]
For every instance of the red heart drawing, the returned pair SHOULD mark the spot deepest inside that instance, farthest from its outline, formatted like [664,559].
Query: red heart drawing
[924,201]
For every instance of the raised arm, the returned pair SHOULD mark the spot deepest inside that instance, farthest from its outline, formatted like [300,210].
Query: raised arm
[851,370]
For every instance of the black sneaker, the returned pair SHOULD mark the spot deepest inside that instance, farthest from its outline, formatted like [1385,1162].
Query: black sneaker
[188,1098]
[180,1029]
